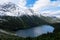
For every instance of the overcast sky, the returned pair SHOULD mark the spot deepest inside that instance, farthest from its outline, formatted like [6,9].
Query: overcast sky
[37,5]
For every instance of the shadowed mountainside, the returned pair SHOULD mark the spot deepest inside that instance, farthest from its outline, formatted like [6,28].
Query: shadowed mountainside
[22,22]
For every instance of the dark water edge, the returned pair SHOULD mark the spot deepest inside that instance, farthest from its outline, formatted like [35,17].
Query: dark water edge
[50,36]
[22,22]
[35,32]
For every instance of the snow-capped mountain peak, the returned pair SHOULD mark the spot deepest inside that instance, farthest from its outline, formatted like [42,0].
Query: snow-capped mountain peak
[11,9]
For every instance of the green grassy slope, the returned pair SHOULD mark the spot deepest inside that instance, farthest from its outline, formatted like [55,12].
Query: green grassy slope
[36,21]
[50,36]
[22,22]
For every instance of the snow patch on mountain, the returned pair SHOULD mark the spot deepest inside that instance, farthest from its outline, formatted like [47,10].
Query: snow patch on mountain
[10,9]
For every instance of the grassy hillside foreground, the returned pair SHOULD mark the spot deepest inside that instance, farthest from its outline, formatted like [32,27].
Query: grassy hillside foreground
[50,36]
[53,36]
[36,21]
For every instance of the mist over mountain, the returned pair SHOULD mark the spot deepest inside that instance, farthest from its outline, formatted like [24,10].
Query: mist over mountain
[19,19]
[11,9]
[13,17]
